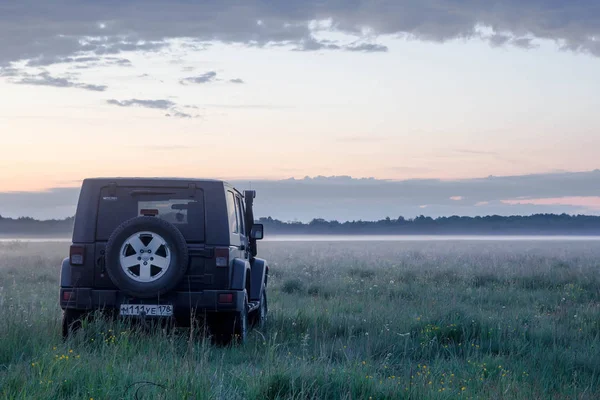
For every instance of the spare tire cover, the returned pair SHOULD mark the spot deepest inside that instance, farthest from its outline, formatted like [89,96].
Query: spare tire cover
[146,257]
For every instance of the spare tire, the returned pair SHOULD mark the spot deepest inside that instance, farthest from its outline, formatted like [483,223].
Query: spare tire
[146,257]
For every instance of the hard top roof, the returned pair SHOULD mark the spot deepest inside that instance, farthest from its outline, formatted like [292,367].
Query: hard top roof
[133,179]
[155,181]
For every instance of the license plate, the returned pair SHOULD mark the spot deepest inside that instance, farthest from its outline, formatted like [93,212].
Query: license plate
[147,310]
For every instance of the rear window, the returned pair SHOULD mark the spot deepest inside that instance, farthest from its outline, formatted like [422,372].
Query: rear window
[182,208]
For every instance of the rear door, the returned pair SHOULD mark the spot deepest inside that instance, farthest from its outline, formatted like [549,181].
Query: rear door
[181,206]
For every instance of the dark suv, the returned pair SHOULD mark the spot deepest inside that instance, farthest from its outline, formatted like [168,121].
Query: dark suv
[165,249]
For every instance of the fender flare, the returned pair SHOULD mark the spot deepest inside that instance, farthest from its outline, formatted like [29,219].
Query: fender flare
[258,278]
[65,274]
[239,272]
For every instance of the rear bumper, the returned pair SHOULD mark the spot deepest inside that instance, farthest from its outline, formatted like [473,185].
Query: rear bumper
[182,302]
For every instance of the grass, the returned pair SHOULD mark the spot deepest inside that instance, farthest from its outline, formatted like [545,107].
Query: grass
[373,320]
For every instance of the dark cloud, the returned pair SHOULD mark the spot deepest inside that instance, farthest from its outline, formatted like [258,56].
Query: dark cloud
[31,28]
[366,48]
[178,114]
[79,62]
[160,104]
[206,77]
[311,44]
[45,79]
[237,80]
[498,39]
[525,43]
[345,198]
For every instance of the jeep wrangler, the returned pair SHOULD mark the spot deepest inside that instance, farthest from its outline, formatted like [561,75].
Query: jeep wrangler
[166,250]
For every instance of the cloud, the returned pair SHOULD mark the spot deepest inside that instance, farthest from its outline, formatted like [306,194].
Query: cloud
[589,202]
[10,71]
[155,104]
[525,43]
[345,198]
[36,28]
[367,48]
[45,79]
[207,77]
[456,198]
[237,80]
[178,114]
[158,104]
[498,39]
[312,44]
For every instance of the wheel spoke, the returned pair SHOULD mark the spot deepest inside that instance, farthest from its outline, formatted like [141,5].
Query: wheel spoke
[160,262]
[130,261]
[136,243]
[140,261]
[154,244]
[144,272]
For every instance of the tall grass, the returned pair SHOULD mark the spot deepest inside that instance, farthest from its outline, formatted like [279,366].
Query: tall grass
[347,321]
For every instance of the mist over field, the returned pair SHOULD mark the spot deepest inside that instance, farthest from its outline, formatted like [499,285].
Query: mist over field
[387,320]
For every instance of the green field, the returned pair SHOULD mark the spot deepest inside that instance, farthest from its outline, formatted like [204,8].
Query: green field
[347,321]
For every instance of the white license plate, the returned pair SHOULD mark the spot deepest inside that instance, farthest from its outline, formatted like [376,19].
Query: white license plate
[147,310]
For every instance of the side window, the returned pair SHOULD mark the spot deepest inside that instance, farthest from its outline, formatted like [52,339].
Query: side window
[240,215]
[232,211]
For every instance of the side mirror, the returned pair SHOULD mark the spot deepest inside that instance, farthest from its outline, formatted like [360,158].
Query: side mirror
[257,232]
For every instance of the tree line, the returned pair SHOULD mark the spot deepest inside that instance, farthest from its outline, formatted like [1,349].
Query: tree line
[559,224]
[536,224]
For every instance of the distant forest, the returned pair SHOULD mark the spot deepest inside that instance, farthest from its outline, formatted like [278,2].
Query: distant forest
[537,224]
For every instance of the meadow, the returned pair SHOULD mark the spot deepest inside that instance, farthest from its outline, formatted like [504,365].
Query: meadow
[349,320]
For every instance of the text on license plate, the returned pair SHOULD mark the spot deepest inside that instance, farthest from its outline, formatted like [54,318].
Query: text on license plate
[148,310]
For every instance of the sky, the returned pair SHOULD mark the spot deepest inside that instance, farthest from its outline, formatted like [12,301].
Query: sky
[439,91]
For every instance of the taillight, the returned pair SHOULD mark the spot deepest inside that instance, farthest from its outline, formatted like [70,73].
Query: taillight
[77,255]
[222,256]
[226,298]
[68,296]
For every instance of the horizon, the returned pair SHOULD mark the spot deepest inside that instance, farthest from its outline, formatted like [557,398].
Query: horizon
[370,199]
[409,219]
